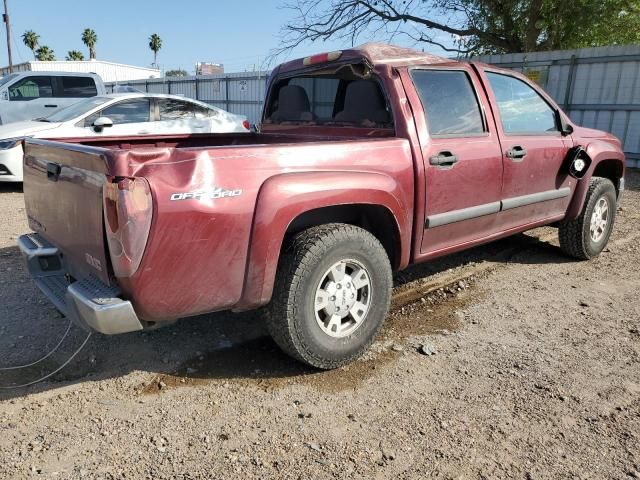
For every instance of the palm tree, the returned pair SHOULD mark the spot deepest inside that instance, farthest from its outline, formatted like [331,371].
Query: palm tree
[89,38]
[30,39]
[75,55]
[155,44]
[45,54]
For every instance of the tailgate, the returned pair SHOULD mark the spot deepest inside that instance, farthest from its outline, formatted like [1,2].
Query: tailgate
[63,196]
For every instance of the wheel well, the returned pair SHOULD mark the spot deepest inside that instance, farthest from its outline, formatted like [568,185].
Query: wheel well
[611,169]
[376,219]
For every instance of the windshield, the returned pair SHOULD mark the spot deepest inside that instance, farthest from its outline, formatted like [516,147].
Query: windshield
[73,111]
[8,78]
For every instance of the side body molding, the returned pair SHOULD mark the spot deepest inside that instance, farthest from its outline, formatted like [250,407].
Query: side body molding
[598,151]
[283,198]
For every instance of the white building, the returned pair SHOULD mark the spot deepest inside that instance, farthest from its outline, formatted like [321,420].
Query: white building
[108,71]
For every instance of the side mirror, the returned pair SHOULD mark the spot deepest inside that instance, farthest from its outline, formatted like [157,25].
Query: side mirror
[101,123]
[563,125]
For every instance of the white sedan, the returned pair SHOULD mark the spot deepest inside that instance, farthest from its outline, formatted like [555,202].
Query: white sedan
[116,115]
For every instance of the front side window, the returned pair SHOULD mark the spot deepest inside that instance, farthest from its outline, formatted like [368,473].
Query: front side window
[449,102]
[31,88]
[522,109]
[78,87]
[129,111]
[175,110]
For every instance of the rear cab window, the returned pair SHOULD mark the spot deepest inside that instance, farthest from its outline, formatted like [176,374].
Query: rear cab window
[341,96]
[449,102]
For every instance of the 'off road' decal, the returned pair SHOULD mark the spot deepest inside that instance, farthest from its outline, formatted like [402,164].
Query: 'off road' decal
[216,193]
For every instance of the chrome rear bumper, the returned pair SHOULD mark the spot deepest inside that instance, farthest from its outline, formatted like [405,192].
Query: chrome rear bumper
[87,302]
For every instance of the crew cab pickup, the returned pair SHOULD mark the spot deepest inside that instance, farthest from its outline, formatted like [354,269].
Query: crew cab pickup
[30,95]
[368,160]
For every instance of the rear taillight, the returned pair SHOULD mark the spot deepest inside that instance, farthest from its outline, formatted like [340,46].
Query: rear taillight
[246,124]
[128,209]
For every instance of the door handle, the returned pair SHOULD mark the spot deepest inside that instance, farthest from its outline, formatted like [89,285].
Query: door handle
[143,132]
[53,171]
[51,106]
[443,159]
[517,153]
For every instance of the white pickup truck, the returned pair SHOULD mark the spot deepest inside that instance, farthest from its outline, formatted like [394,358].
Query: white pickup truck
[29,95]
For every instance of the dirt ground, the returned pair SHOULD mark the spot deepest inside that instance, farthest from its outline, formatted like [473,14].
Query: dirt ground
[535,374]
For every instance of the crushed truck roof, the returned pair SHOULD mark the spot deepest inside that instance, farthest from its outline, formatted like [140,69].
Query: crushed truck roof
[378,54]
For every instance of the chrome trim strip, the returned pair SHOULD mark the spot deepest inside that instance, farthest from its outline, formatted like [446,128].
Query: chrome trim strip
[494,207]
[462,214]
[525,200]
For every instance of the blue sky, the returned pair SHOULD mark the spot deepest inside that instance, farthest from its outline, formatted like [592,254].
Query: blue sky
[236,33]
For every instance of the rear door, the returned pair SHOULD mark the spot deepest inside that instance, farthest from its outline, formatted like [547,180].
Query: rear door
[461,155]
[535,186]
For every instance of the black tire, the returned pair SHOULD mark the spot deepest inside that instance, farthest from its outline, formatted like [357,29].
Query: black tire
[575,235]
[291,315]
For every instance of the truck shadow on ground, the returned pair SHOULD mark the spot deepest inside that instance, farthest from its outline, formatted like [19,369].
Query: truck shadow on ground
[223,346]
[6,187]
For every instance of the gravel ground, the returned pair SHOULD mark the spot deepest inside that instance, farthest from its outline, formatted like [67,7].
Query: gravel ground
[526,366]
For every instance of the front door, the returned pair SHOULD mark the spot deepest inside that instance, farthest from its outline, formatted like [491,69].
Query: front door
[462,159]
[130,117]
[536,188]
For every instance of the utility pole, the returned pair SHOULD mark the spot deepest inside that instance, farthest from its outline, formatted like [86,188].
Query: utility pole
[5,17]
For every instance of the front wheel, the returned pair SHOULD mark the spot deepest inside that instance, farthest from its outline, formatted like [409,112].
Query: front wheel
[586,236]
[331,295]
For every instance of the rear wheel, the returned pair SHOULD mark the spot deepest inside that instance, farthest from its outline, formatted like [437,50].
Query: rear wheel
[331,295]
[586,236]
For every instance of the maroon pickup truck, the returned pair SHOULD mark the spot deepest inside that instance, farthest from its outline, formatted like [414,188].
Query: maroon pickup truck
[368,160]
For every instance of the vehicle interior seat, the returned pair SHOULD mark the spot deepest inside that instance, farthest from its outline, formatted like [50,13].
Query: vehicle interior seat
[363,102]
[293,105]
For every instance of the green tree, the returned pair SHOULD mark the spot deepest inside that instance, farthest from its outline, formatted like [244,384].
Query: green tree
[45,54]
[75,55]
[176,73]
[468,26]
[155,44]
[89,38]
[31,39]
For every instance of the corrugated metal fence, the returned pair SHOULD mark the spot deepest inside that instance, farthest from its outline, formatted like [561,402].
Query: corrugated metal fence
[241,93]
[598,87]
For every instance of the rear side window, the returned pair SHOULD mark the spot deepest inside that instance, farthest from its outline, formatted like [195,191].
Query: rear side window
[176,110]
[78,87]
[449,102]
[129,111]
[31,88]
[522,109]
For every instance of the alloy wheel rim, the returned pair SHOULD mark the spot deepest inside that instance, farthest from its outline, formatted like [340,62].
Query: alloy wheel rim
[599,220]
[343,298]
